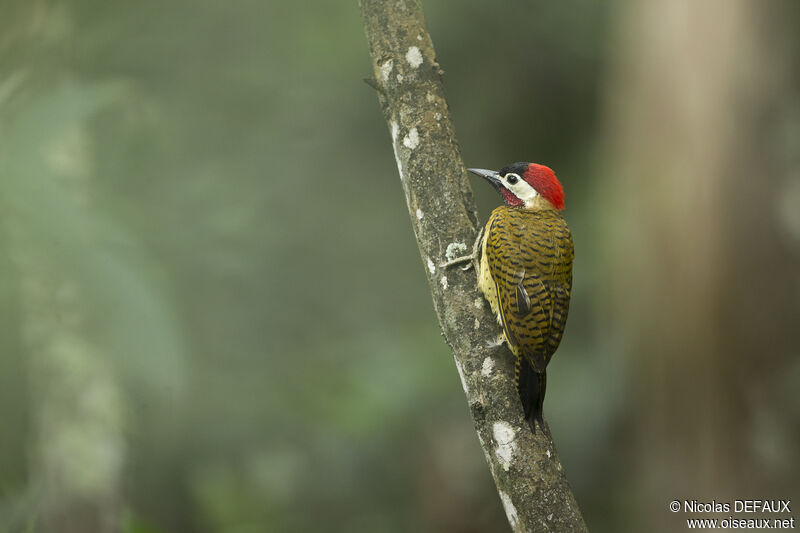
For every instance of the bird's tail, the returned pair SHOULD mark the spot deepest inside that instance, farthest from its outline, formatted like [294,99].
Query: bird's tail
[531,386]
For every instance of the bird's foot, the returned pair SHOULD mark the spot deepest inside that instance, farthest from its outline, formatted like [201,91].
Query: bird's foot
[497,341]
[471,259]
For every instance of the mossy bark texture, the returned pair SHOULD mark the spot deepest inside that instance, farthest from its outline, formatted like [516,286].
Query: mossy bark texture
[529,477]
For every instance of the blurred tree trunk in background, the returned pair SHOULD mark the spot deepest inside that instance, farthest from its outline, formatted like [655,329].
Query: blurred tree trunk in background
[77,449]
[703,195]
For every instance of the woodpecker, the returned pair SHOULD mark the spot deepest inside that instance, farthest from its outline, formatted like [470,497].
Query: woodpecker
[523,261]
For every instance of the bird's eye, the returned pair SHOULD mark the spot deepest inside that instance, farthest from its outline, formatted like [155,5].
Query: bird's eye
[512,178]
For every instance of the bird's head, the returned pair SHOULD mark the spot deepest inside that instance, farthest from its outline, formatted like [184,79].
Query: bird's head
[526,185]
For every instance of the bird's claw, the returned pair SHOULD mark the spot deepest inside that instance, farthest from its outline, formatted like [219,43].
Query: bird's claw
[496,342]
[469,259]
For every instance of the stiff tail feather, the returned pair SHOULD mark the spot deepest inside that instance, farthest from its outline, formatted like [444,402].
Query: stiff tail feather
[531,386]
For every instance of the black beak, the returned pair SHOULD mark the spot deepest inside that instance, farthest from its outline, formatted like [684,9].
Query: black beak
[491,175]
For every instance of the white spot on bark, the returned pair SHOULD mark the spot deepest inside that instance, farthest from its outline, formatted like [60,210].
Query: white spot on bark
[550,516]
[437,116]
[477,323]
[487,367]
[431,266]
[548,454]
[511,511]
[461,375]
[478,303]
[454,249]
[414,57]
[443,281]
[419,37]
[399,78]
[504,436]
[396,133]
[419,214]
[412,139]
[386,69]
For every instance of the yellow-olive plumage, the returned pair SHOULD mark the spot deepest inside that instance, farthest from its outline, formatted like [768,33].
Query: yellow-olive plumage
[525,273]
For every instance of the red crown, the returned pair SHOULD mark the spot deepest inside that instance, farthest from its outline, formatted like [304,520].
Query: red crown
[544,180]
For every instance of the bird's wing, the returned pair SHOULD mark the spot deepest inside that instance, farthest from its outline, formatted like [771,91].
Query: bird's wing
[560,283]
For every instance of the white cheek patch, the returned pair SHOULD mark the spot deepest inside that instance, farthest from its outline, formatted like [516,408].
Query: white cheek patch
[523,190]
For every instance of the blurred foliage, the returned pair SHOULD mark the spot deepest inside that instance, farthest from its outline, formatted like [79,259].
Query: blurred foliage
[215,181]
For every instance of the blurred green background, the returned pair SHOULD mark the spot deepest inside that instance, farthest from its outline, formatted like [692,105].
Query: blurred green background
[213,314]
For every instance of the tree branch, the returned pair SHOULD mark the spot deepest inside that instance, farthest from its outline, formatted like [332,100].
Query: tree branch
[526,469]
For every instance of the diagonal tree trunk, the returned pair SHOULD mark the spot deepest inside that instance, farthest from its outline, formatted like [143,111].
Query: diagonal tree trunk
[530,480]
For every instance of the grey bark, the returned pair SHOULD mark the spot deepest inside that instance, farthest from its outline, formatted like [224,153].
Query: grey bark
[529,477]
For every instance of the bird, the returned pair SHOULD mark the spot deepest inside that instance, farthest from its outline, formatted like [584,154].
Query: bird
[523,261]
